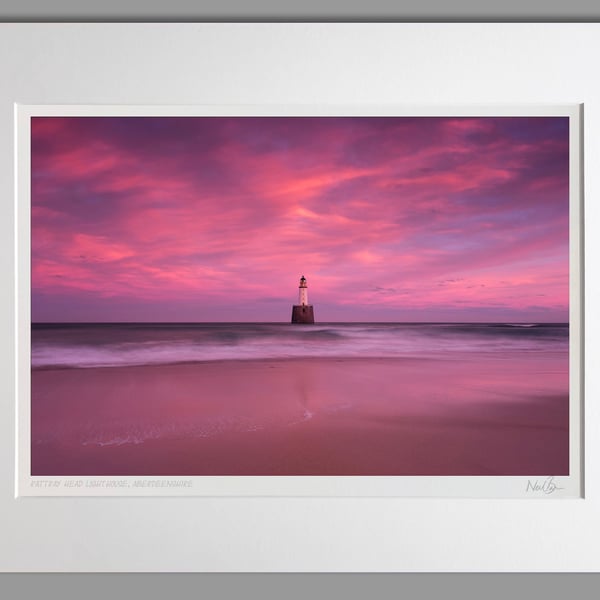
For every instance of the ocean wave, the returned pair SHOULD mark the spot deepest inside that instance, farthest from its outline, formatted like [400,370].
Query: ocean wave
[115,345]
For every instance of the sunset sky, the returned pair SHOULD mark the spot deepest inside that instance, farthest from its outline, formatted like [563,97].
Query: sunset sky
[216,219]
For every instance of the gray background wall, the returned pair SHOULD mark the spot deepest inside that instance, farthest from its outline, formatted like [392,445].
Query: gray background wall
[306,10]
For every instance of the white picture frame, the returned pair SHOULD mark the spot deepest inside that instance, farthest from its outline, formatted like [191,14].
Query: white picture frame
[458,58]
[547,485]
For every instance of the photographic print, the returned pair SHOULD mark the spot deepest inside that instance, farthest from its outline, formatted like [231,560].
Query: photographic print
[300,296]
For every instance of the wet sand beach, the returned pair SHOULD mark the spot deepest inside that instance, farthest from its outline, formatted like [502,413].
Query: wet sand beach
[497,414]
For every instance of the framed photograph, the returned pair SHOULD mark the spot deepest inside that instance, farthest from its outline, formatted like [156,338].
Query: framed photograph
[168,353]
[275,289]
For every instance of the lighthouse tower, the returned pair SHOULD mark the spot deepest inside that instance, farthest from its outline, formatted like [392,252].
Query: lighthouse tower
[303,311]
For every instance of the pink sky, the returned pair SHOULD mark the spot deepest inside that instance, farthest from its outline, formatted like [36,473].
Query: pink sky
[216,219]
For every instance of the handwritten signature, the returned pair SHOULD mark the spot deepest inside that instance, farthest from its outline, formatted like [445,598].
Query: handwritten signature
[546,486]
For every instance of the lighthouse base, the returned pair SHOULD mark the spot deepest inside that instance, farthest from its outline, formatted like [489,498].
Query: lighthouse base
[303,314]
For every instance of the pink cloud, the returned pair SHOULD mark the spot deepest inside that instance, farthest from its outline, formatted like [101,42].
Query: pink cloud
[232,212]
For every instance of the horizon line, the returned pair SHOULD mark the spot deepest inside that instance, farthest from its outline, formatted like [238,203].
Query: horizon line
[503,322]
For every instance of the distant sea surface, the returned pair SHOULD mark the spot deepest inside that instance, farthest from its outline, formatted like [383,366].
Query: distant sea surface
[61,345]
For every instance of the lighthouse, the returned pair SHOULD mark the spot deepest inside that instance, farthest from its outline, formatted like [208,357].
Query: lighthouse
[303,311]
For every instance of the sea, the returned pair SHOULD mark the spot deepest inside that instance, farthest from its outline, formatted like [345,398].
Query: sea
[87,345]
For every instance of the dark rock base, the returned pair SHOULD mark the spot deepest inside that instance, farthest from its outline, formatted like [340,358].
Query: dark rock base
[303,314]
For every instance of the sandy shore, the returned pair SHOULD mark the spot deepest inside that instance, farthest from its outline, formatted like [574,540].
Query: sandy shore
[464,416]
